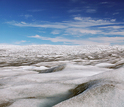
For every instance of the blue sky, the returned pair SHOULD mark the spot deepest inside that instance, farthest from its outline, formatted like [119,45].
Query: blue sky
[62,22]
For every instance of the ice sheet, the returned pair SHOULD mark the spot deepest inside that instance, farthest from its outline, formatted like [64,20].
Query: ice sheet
[21,84]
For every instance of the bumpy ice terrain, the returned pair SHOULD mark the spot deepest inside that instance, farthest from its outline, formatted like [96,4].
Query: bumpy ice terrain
[61,76]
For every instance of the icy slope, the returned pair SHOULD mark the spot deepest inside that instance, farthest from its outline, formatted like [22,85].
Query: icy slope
[103,90]
[61,76]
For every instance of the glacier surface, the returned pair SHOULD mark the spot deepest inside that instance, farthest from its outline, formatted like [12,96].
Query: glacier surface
[61,76]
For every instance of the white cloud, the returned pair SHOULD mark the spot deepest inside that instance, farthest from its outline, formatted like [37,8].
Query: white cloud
[78,31]
[26,16]
[69,41]
[113,20]
[116,13]
[78,18]
[109,39]
[55,32]
[36,36]
[81,32]
[114,33]
[74,10]
[88,22]
[89,41]
[90,31]
[112,27]
[82,22]
[91,10]
[104,2]
[19,42]
[23,22]
[79,26]
[52,25]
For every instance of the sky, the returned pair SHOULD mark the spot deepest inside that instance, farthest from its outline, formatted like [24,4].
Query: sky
[62,22]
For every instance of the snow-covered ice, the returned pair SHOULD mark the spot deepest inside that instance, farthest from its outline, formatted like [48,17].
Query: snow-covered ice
[61,76]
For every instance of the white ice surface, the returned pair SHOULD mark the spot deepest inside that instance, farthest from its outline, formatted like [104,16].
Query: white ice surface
[105,65]
[34,67]
[25,87]
[108,92]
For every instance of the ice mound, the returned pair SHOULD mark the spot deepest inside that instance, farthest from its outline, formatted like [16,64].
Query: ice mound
[102,90]
[106,65]
[54,69]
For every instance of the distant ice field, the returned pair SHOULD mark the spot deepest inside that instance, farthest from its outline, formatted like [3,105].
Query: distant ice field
[61,76]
